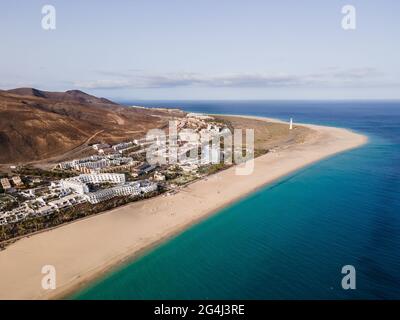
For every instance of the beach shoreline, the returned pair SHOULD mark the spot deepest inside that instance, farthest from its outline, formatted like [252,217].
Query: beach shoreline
[128,232]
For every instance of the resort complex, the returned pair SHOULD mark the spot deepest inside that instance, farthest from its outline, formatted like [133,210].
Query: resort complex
[114,171]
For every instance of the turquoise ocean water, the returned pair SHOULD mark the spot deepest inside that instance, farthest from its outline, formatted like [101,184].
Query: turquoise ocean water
[290,239]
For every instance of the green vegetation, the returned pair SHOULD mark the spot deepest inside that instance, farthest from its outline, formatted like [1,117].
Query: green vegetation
[127,152]
[183,179]
[213,168]
[8,202]
[8,232]
[141,157]
[36,172]
[171,175]
[99,186]
[128,176]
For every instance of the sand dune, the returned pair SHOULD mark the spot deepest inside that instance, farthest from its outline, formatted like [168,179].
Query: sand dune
[87,248]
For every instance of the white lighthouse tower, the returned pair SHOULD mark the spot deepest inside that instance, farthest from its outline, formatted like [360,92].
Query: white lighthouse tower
[291,124]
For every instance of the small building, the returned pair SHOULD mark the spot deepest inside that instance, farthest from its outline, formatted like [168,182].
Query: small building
[67,201]
[146,168]
[5,183]
[17,181]
[148,186]
[158,176]
[99,146]
[44,211]
[106,151]
[30,193]
[76,185]
[121,146]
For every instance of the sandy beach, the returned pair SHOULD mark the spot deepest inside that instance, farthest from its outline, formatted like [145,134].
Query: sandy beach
[84,250]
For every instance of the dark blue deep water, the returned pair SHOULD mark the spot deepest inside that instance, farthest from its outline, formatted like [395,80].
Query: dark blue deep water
[291,239]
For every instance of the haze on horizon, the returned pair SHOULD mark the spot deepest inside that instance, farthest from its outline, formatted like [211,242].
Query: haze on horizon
[160,50]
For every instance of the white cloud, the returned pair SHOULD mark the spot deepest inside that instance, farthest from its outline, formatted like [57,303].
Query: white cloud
[103,84]
[332,77]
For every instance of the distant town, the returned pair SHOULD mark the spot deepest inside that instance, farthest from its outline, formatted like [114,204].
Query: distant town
[119,171]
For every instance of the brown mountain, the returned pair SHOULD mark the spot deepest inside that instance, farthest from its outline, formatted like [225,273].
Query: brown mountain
[70,95]
[37,125]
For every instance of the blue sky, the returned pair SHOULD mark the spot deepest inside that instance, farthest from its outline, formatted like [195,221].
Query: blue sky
[204,49]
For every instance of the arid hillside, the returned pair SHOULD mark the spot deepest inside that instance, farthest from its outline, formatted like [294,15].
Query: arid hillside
[37,125]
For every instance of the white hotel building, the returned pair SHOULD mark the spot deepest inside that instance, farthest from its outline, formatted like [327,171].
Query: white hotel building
[107,194]
[116,178]
[79,185]
[103,163]
[76,185]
